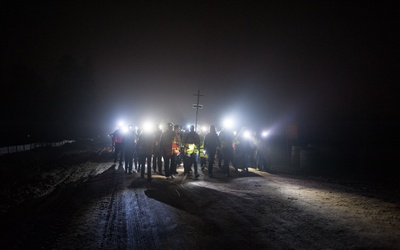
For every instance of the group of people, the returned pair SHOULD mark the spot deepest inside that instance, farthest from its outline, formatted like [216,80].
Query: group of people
[170,148]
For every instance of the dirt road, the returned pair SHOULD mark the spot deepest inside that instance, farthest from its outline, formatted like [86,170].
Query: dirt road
[95,205]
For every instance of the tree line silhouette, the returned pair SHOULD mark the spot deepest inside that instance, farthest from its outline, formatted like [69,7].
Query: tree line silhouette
[34,109]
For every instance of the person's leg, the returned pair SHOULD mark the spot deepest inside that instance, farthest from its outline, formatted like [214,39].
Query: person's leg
[195,160]
[130,164]
[135,160]
[228,158]
[228,164]
[116,152]
[142,161]
[149,167]
[121,157]
[154,163]
[211,157]
[126,163]
[159,164]
[166,165]
[189,164]
[186,164]
[173,165]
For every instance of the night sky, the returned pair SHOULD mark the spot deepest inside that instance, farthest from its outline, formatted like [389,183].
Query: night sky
[261,62]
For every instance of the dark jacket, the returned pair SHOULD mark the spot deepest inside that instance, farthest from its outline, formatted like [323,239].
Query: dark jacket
[129,144]
[211,142]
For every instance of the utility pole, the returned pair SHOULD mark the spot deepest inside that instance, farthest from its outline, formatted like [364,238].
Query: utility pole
[197,106]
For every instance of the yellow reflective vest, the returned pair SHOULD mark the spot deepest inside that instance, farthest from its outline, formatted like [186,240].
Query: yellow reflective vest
[192,143]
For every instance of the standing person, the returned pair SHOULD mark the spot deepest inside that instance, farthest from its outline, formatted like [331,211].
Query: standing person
[136,155]
[203,156]
[112,142]
[181,150]
[117,140]
[157,154]
[243,150]
[211,143]
[128,144]
[167,138]
[262,153]
[219,157]
[192,146]
[176,146]
[145,150]
[226,138]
